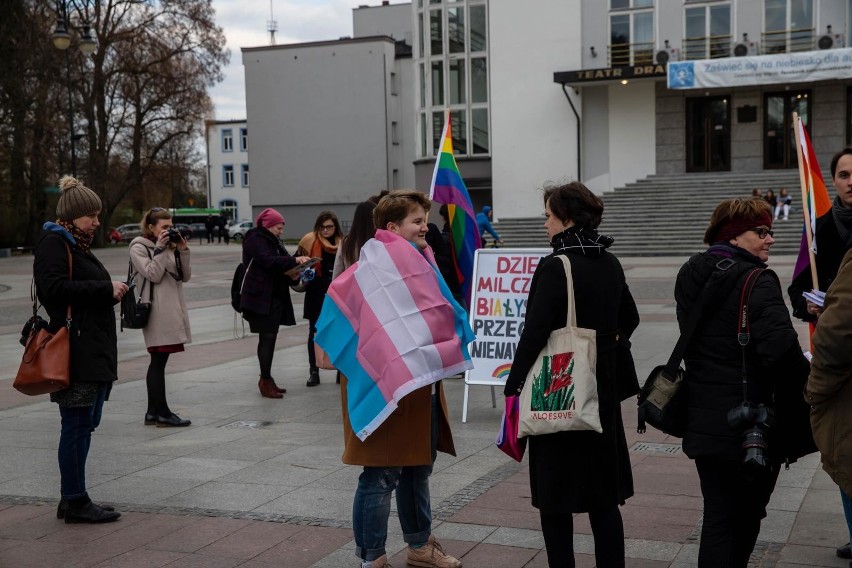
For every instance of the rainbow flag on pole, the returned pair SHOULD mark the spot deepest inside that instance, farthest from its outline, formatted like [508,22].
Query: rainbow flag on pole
[448,188]
[816,201]
[391,325]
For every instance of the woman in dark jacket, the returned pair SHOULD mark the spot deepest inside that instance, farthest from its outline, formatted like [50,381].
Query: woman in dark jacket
[265,294]
[322,243]
[574,472]
[736,490]
[91,294]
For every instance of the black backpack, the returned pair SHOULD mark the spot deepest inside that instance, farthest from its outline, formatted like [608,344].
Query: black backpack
[237,284]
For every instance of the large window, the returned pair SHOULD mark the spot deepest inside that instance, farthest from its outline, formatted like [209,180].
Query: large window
[228,175]
[227,140]
[708,31]
[788,26]
[243,139]
[631,32]
[453,73]
[244,175]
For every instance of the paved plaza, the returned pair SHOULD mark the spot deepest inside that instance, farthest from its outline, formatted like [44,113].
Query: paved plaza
[258,483]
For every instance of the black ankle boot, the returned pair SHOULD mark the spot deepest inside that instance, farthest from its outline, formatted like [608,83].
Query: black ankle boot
[63,506]
[82,510]
[314,380]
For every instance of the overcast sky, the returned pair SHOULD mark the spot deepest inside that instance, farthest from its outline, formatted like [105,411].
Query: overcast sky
[244,23]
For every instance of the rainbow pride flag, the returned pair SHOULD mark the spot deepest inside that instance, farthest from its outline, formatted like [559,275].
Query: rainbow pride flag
[448,188]
[391,325]
[816,201]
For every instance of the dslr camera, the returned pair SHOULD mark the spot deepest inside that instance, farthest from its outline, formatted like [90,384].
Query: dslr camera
[174,235]
[754,418]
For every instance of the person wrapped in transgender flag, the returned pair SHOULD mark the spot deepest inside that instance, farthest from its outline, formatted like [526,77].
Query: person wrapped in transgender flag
[391,325]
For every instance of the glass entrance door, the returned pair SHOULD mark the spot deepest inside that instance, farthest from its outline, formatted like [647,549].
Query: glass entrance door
[779,142]
[708,134]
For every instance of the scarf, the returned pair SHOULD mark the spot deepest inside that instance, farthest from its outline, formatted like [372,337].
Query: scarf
[391,325]
[842,220]
[313,244]
[84,239]
[587,242]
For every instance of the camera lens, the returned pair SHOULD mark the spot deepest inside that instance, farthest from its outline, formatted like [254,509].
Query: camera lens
[755,449]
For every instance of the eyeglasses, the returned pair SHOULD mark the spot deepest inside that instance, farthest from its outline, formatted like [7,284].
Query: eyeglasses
[327,227]
[149,219]
[762,232]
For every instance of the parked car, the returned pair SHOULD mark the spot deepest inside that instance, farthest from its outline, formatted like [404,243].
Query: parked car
[198,230]
[129,231]
[237,230]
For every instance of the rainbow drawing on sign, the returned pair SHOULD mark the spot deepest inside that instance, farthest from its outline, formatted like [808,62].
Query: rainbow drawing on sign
[502,371]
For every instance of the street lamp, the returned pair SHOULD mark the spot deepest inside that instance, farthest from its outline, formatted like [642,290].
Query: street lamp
[87,44]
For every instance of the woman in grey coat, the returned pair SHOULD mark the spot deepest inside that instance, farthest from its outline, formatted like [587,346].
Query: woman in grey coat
[161,264]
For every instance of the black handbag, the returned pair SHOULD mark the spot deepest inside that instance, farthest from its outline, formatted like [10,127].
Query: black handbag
[135,313]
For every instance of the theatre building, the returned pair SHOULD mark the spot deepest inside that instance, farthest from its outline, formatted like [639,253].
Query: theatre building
[679,86]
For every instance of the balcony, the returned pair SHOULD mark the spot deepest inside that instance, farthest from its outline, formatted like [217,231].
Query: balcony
[707,47]
[788,41]
[626,54]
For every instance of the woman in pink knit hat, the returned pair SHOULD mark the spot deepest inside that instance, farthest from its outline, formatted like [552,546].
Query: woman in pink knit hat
[265,295]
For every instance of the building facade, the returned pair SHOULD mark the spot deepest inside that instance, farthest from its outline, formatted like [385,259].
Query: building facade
[228,179]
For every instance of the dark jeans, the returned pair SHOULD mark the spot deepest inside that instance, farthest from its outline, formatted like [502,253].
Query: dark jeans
[78,423]
[312,356]
[607,528]
[847,511]
[372,505]
[734,504]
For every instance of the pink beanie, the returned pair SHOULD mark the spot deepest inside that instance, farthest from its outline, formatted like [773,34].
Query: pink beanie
[269,217]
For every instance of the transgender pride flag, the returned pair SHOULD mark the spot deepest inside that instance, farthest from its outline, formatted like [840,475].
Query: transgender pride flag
[390,324]
[448,187]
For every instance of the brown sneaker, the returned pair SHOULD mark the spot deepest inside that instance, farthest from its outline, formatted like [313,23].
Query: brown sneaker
[432,555]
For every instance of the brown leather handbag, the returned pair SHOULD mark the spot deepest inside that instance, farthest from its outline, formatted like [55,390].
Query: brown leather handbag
[46,364]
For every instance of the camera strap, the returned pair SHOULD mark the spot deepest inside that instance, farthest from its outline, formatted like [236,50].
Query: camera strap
[743,328]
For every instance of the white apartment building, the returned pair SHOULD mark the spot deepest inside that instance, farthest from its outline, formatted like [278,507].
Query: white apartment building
[228,179]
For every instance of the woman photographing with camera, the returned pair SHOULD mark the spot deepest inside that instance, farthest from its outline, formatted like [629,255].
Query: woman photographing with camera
[745,412]
[161,264]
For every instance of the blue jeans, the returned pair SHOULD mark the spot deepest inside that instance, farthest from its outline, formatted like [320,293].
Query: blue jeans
[74,440]
[847,510]
[372,505]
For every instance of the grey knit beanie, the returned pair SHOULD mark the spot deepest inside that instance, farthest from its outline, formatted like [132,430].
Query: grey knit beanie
[76,200]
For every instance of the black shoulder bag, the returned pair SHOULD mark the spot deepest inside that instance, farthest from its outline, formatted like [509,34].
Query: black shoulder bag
[135,313]
[662,403]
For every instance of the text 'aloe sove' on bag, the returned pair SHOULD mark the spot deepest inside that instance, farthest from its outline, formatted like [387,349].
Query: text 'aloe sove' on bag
[561,390]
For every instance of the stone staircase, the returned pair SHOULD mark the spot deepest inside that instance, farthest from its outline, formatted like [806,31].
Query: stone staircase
[666,215]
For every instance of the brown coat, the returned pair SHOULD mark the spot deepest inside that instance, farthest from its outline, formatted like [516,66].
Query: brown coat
[829,389]
[404,439]
[168,323]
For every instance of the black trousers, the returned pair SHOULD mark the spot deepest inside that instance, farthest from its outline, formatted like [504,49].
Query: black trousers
[734,505]
[607,528]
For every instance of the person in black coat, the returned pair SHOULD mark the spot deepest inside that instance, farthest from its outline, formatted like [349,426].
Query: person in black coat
[736,490]
[321,243]
[209,225]
[583,471]
[265,296]
[92,295]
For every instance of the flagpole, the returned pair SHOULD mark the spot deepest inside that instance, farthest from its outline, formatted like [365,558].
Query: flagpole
[806,206]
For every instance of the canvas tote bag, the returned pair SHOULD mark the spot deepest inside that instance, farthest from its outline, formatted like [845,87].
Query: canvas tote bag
[561,390]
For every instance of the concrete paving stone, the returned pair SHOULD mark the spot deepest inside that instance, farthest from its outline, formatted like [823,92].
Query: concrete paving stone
[320,503]
[113,463]
[21,513]
[347,476]
[481,462]
[306,547]
[141,490]
[787,498]
[340,558]
[688,555]
[313,457]
[812,556]
[667,485]
[272,472]
[776,526]
[822,500]
[525,538]
[22,439]
[795,477]
[141,558]
[651,550]
[655,500]
[228,496]
[255,449]
[821,480]
[496,517]
[34,485]
[462,531]
[202,561]
[821,529]
[584,544]
[44,555]
[192,468]
[83,533]
[132,537]
[201,533]
[171,445]
[34,528]
[252,540]
[495,556]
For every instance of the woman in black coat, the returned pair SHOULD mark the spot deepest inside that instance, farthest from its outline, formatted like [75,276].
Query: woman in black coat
[91,295]
[736,490]
[321,243]
[265,295]
[574,472]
